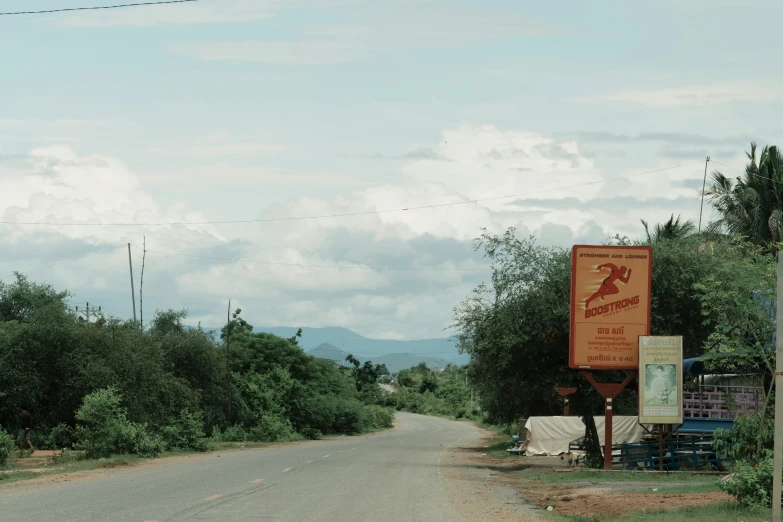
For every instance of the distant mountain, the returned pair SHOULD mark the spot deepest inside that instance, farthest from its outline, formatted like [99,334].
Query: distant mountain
[328,351]
[348,341]
[393,361]
[402,361]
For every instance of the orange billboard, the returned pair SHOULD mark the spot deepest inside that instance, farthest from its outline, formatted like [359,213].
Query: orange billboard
[610,305]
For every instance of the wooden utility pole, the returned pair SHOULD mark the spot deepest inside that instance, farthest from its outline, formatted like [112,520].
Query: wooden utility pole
[228,363]
[778,455]
[133,292]
[141,286]
[87,312]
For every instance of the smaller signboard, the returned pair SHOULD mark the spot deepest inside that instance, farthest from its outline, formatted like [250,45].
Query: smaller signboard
[660,379]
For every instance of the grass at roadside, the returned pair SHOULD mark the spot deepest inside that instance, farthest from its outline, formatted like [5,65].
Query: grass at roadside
[726,512]
[626,476]
[497,449]
[15,473]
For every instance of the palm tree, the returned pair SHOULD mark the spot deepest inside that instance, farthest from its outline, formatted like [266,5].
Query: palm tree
[751,206]
[672,229]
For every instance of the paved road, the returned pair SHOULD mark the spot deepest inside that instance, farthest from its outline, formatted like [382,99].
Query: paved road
[390,476]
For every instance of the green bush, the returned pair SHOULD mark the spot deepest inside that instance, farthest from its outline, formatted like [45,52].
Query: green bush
[103,429]
[7,446]
[232,434]
[272,428]
[348,418]
[312,434]
[186,433]
[751,480]
[749,484]
[377,417]
[62,436]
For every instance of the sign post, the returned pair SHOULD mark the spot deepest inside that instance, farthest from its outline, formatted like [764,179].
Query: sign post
[610,308]
[565,392]
[608,392]
[660,385]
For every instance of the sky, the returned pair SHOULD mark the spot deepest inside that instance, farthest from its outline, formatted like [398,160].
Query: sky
[570,121]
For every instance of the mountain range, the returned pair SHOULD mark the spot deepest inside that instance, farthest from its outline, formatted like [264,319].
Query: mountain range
[394,361]
[336,343]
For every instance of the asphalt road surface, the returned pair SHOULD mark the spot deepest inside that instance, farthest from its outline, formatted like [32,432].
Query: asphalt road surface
[395,475]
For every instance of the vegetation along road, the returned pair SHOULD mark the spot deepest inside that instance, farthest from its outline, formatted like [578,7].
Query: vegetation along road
[392,475]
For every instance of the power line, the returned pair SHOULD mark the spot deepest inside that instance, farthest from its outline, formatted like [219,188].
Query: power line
[729,166]
[347,214]
[744,171]
[138,4]
[356,267]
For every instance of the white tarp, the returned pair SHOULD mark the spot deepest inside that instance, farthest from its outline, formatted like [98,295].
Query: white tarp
[551,435]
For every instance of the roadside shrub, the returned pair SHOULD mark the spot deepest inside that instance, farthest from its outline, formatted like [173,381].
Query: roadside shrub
[348,418]
[232,434]
[741,441]
[377,417]
[751,480]
[7,446]
[103,429]
[312,434]
[186,432]
[750,484]
[62,436]
[68,455]
[272,428]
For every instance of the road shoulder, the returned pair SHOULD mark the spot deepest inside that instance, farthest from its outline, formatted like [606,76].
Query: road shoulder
[475,489]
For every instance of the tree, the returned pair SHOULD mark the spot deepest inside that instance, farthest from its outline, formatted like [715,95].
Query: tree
[171,378]
[366,376]
[672,229]
[516,328]
[752,205]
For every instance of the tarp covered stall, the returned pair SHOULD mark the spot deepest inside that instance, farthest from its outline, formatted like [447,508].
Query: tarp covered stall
[551,435]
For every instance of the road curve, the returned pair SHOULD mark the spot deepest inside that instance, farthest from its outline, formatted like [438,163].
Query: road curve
[390,476]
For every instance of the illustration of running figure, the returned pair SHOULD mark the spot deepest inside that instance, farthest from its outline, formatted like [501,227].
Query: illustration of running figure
[608,287]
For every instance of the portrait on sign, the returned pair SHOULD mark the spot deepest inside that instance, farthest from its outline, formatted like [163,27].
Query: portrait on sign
[661,384]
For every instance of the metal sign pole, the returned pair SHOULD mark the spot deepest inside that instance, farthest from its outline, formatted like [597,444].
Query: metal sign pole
[609,392]
[565,392]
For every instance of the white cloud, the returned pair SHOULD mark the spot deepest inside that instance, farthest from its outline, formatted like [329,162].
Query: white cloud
[303,272]
[695,95]
[55,184]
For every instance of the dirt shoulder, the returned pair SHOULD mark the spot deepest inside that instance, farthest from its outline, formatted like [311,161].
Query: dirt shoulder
[473,486]
[485,487]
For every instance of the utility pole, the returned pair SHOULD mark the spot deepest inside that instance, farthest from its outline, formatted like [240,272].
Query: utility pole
[87,312]
[133,292]
[141,285]
[703,186]
[228,363]
[778,455]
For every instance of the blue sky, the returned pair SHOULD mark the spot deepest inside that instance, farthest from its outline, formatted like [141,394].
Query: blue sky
[239,109]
